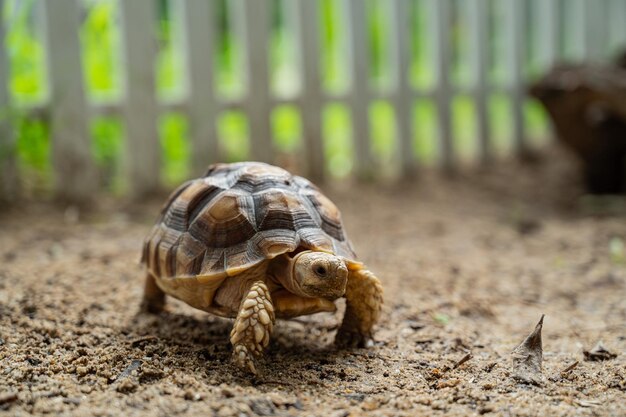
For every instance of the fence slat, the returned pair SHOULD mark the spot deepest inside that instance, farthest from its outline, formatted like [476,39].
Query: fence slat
[441,18]
[8,169]
[590,29]
[403,102]
[311,103]
[479,41]
[357,100]
[255,28]
[140,108]
[549,32]
[515,45]
[199,47]
[617,33]
[595,30]
[75,175]
[575,28]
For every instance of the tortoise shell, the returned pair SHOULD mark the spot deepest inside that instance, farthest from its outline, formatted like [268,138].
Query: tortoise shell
[237,216]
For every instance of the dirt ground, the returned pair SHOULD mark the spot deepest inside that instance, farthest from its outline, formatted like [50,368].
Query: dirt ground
[469,265]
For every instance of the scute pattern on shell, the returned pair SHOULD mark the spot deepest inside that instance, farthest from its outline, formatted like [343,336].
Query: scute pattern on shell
[238,215]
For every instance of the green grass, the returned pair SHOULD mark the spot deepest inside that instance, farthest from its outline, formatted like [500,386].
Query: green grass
[101,52]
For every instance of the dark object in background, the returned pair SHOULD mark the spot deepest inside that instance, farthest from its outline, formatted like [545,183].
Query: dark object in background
[587,105]
[620,60]
[606,168]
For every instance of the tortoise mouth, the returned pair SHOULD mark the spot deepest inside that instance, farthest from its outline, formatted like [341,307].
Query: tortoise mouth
[332,293]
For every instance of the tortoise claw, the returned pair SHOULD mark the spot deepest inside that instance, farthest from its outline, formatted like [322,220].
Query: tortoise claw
[364,298]
[243,359]
[352,339]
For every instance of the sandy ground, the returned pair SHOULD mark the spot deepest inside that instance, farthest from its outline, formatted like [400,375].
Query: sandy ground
[468,264]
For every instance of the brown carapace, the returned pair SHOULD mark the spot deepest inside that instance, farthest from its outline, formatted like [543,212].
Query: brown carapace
[253,242]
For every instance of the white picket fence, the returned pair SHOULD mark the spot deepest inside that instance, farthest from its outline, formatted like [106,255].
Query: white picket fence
[597,26]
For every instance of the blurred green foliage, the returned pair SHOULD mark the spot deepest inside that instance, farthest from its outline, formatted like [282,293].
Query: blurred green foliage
[101,43]
[107,148]
[26,54]
[232,128]
[34,151]
[287,127]
[337,131]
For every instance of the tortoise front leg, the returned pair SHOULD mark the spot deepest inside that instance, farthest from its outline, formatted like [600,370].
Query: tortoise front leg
[153,296]
[253,326]
[364,300]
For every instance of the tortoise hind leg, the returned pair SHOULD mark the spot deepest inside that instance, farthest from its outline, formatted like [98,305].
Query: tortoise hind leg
[364,300]
[253,326]
[153,297]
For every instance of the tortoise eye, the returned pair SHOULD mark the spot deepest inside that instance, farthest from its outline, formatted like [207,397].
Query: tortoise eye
[321,271]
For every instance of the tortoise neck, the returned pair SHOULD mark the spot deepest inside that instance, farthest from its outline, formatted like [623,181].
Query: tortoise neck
[281,271]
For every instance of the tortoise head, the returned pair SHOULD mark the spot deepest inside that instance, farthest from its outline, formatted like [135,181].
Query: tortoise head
[315,274]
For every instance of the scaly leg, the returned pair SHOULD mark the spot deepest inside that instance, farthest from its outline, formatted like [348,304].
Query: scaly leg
[253,326]
[364,300]
[153,296]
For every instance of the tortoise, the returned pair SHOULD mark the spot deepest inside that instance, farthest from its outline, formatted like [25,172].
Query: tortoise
[253,242]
